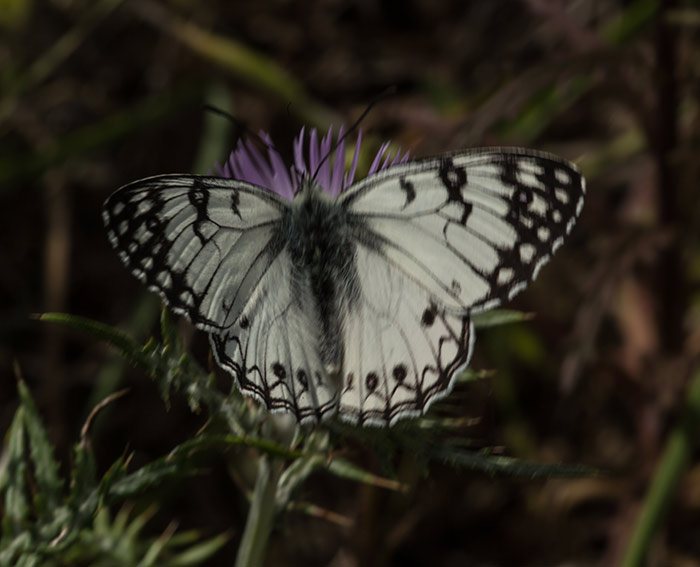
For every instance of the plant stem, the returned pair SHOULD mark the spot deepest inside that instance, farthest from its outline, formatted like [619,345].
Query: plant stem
[251,551]
[672,465]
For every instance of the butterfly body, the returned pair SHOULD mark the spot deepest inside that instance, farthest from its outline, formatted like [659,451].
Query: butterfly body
[321,252]
[358,305]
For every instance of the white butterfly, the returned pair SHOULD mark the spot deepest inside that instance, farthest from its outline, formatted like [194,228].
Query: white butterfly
[358,304]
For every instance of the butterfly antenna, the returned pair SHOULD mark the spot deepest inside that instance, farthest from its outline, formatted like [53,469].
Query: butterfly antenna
[240,124]
[298,175]
[381,96]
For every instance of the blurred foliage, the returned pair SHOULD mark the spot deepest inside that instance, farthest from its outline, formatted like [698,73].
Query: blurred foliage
[45,524]
[42,526]
[601,370]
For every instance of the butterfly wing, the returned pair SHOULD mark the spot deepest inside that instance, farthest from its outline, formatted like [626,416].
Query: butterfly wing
[437,240]
[203,243]
[273,349]
[401,349]
[214,250]
[471,228]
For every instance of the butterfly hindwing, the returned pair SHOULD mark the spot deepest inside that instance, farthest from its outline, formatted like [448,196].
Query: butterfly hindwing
[273,349]
[471,228]
[402,351]
[203,243]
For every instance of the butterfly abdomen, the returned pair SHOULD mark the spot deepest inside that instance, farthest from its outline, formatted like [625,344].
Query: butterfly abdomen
[321,249]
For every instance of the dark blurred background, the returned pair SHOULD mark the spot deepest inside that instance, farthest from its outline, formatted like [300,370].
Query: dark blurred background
[97,93]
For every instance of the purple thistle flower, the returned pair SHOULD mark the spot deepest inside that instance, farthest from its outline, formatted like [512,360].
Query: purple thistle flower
[248,163]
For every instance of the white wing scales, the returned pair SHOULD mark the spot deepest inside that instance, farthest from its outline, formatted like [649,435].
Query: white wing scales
[401,350]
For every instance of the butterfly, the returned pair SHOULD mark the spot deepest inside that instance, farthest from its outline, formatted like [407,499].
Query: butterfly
[357,305]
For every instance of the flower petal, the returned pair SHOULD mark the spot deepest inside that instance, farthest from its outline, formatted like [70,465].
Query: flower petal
[267,169]
[323,175]
[336,182]
[350,175]
[377,159]
[313,152]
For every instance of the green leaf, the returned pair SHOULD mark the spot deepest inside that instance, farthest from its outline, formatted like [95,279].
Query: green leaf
[497,317]
[29,560]
[202,442]
[114,474]
[345,469]
[198,553]
[49,484]
[150,476]
[171,339]
[16,505]
[121,341]
[316,511]
[296,473]
[132,529]
[84,495]
[502,465]
[156,548]
[14,548]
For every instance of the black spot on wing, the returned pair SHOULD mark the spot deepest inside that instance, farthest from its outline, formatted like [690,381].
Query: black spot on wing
[428,317]
[235,356]
[349,381]
[372,381]
[452,340]
[236,203]
[198,196]
[409,189]
[279,371]
[399,373]
[303,379]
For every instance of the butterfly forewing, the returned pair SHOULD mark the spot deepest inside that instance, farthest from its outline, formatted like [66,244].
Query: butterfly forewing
[203,243]
[471,228]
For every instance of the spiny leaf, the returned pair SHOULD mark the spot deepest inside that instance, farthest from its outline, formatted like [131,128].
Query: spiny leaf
[498,464]
[212,441]
[123,342]
[49,484]
[147,477]
[16,505]
[322,513]
[345,469]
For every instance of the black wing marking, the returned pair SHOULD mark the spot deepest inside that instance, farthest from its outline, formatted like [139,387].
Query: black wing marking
[203,243]
[475,227]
